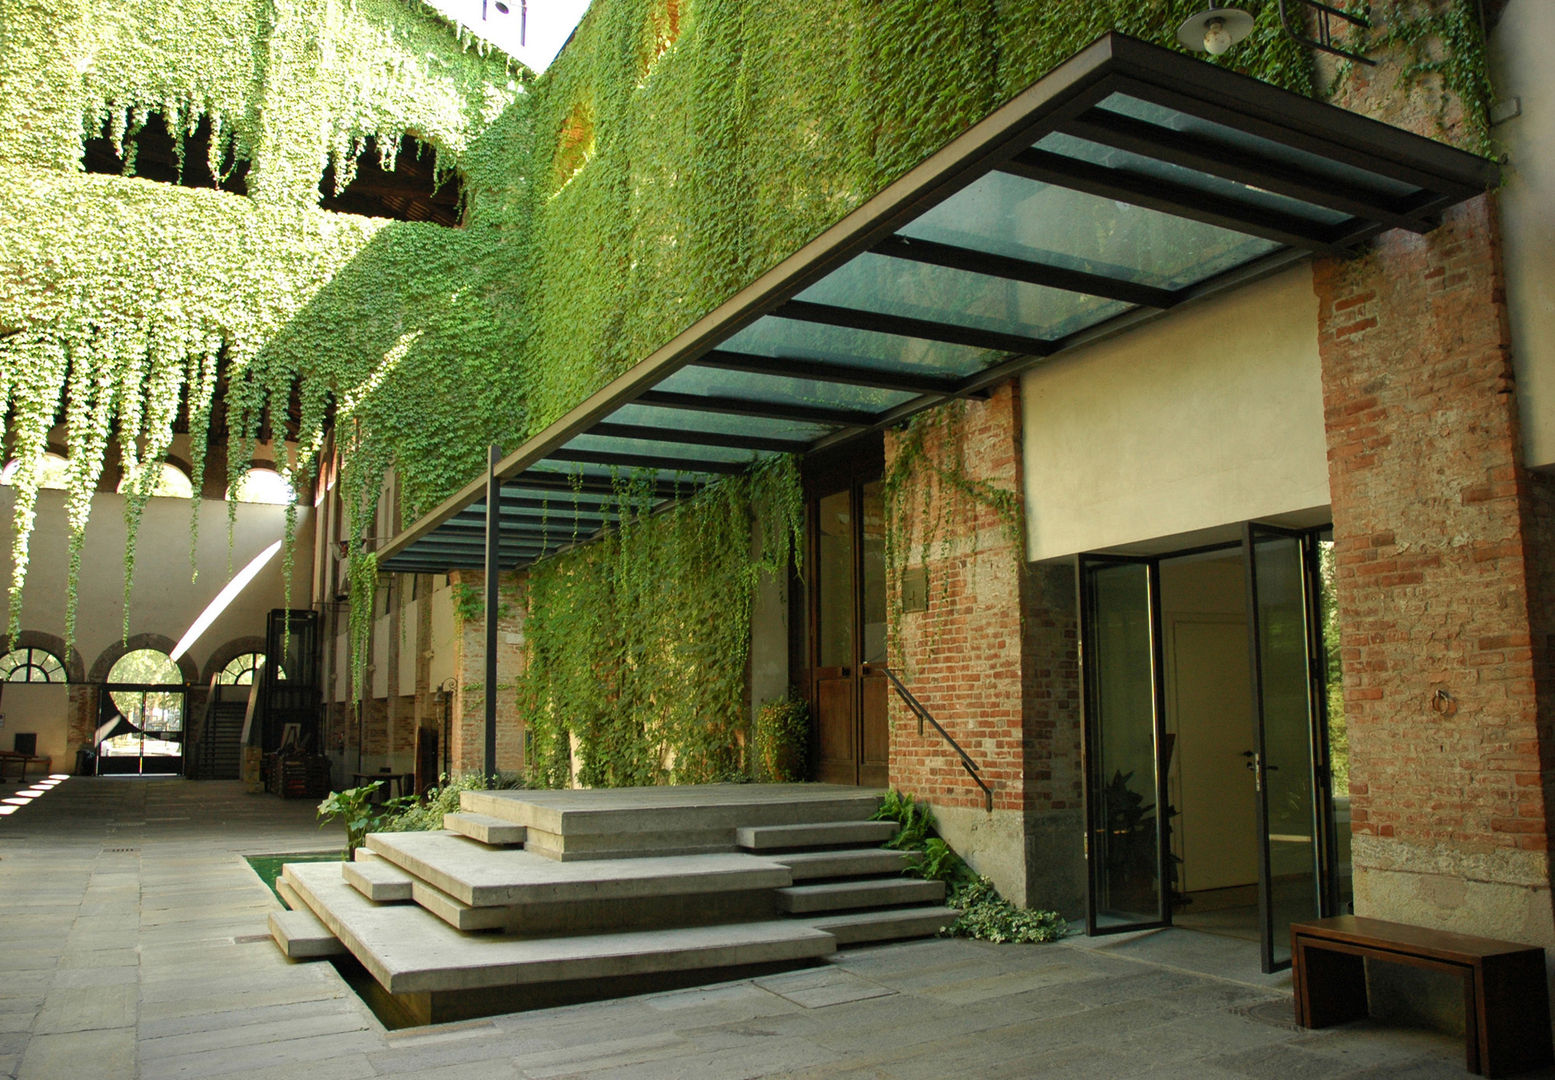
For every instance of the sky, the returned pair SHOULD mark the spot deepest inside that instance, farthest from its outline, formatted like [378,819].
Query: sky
[532,31]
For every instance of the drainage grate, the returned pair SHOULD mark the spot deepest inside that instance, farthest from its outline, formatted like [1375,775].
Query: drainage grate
[1277,1013]
[118,850]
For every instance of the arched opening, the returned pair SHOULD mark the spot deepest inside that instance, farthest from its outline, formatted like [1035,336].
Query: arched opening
[243,670]
[152,152]
[171,481]
[54,466]
[411,189]
[141,715]
[262,486]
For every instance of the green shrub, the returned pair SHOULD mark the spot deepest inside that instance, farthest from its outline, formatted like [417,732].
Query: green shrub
[782,730]
[426,813]
[360,814]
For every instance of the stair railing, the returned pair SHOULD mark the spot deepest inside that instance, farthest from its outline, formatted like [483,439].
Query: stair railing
[922,713]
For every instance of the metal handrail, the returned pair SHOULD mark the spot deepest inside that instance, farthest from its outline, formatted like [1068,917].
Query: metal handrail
[923,714]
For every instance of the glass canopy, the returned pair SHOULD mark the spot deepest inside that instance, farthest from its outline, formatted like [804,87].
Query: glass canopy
[1130,180]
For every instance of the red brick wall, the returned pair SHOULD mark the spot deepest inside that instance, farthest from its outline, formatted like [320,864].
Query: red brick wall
[963,657]
[1051,739]
[467,747]
[1429,506]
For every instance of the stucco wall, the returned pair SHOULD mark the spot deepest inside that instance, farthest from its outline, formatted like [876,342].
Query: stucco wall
[1212,414]
[1520,66]
[164,600]
[41,708]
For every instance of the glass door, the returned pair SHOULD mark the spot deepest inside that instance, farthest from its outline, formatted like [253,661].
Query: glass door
[140,730]
[1125,748]
[1288,742]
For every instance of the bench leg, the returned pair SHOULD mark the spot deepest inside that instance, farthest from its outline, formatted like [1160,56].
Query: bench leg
[1507,1005]
[1331,988]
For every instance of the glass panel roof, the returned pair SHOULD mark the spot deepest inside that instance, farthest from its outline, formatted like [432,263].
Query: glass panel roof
[774,336]
[918,290]
[1213,187]
[1316,164]
[979,262]
[1009,215]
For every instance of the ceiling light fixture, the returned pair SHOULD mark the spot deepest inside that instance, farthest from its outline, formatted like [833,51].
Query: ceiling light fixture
[1215,29]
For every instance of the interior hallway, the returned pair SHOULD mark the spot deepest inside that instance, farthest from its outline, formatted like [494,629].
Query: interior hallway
[133,944]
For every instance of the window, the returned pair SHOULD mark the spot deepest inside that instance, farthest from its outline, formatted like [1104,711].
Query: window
[54,469]
[31,665]
[172,482]
[262,486]
[409,189]
[243,669]
[147,667]
[152,152]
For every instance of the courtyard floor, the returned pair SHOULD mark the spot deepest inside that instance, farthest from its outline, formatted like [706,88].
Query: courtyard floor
[133,944]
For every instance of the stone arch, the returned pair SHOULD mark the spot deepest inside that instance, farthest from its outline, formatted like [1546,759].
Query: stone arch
[75,667]
[104,663]
[225,654]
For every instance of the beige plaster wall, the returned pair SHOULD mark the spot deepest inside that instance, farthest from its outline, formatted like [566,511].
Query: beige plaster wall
[1520,67]
[164,600]
[444,643]
[1212,414]
[42,708]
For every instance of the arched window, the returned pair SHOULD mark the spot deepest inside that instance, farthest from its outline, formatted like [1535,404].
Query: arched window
[54,469]
[173,481]
[31,665]
[243,669]
[147,667]
[262,486]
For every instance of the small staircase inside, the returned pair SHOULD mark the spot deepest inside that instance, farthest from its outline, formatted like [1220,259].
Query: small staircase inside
[528,899]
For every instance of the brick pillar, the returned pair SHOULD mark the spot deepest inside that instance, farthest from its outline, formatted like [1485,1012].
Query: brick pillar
[964,656]
[1436,525]
[1051,741]
[467,729]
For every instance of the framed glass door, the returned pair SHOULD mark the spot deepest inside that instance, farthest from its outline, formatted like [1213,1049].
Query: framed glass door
[1284,641]
[1125,746]
[140,730]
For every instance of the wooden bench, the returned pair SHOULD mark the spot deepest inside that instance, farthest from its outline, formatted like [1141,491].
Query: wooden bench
[22,761]
[1505,996]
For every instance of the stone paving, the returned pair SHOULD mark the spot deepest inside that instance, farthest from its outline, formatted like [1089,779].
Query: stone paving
[133,945]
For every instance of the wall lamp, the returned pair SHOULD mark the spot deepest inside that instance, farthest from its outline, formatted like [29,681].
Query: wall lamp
[1215,29]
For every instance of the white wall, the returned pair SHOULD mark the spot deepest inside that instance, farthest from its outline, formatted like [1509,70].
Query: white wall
[444,643]
[41,708]
[1212,414]
[164,601]
[1520,68]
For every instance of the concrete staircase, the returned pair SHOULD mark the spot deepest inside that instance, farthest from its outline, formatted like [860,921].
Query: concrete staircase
[531,899]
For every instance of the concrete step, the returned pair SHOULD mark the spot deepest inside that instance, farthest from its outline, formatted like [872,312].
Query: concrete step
[767,838]
[889,924]
[616,823]
[366,855]
[409,951]
[871,893]
[301,936]
[503,877]
[485,828]
[378,880]
[288,894]
[845,862]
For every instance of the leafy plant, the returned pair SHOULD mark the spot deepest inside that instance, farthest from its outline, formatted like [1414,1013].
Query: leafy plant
[425,814]
[914,820]
[360,814]
[782,730]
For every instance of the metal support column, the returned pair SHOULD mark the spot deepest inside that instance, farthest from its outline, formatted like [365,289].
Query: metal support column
[493,567]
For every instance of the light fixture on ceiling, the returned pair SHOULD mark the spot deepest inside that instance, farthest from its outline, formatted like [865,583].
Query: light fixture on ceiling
[1215,29]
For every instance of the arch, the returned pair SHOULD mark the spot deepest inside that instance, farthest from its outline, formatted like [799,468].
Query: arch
[55,466]
[110,656]
[75,667]
[262,484]
[224,654]
[174,482]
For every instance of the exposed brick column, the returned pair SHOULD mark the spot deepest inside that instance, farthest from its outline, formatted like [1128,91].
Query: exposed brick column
[964,657]
[467,729]
[1434,524]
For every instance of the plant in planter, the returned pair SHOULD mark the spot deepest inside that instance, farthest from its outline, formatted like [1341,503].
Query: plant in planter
[361,815]
[782,730]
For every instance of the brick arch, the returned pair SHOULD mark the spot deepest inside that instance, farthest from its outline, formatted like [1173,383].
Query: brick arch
[226,653]
[110,655]
[75,667]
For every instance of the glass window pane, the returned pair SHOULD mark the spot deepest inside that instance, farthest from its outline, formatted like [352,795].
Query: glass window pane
[720,423]
[1123,778]
[666,449]
[1213,187]
[796,338]
[1164,117]
[1023,219]
[873,563]
[779,389]
[892,286]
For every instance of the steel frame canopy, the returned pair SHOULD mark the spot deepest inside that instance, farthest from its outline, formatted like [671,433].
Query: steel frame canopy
[1128,181]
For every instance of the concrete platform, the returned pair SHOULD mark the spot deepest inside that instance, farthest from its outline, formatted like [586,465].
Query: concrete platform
[615,823]
[485,828]
[817,834]
[871,893]
[493,877]
[378,880]
[302,936]
[896,924]
[408,951]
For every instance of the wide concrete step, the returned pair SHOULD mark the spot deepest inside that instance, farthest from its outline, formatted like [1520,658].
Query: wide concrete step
[889,924]
[845,862]
[301,936]
[409,951]
[821,834]
[378,880]
[495,877]
[288,894]
[618,823]
[483,827]
[847,895]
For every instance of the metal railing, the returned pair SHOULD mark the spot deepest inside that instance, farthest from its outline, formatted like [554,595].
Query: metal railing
[923,714]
